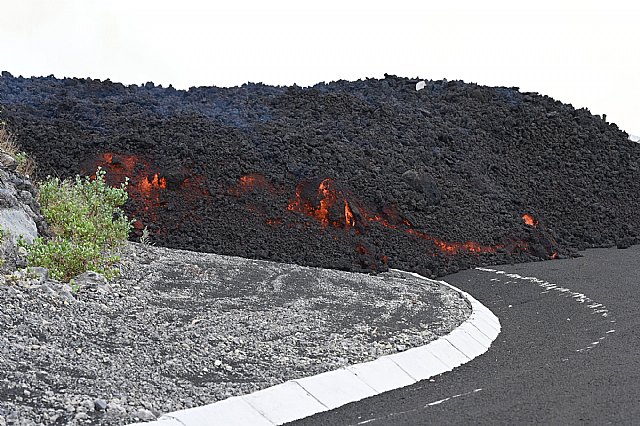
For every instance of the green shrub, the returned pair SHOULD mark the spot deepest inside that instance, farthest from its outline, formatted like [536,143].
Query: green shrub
[88,224]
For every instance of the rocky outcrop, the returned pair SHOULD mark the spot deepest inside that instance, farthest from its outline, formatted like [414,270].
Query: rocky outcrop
[19,212]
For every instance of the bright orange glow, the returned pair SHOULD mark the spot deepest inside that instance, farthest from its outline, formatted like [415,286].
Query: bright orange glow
[146,184]
[149,188]
[349,219]
[449,247]
[529,220]
[328,197]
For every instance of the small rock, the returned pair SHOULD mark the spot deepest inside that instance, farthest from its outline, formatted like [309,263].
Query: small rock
[8,161]
[624,243]
[81,416]
[100,404]
[117,409]
[143,414]
[2,421]
[39,273]
[62,290]
[88,404]
[94,281]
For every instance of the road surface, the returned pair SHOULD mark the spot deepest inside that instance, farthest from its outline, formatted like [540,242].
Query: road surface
[569,351]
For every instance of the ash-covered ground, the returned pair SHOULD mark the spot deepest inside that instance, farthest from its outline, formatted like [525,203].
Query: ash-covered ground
[347,175]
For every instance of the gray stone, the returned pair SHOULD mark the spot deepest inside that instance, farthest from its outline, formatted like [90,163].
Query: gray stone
[81,416]
[94,281]
[116,409]
[16,223]
[8,161]
[19,214]
[63,291]
[183,317]
[42,274]
[100,404]
[143,414]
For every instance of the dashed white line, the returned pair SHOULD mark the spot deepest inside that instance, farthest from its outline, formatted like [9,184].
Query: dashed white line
[596,308]
[452,397]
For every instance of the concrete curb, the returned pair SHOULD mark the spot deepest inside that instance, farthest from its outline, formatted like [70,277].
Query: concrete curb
[304,397]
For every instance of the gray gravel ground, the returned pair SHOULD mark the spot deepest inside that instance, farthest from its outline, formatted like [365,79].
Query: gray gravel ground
[182,329]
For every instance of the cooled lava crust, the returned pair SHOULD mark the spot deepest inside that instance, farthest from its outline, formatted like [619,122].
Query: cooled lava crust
[359,175]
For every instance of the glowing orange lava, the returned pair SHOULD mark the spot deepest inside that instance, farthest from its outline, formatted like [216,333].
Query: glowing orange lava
[328,197]
[330,207]
[449,247]
[146,184]
[389,218]
[349,218]
[529,220]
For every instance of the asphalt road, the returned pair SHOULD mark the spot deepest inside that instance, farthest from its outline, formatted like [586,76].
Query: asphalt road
[566,355]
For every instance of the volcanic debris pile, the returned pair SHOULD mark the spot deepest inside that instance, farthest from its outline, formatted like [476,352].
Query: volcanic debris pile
[359,175]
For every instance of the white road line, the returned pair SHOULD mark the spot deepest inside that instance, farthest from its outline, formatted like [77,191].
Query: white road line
[597,308]
[451,397]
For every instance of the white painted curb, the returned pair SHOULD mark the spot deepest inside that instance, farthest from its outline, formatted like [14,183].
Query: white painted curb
[304,397]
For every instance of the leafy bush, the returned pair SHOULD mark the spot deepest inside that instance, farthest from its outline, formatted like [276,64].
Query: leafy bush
[88,224]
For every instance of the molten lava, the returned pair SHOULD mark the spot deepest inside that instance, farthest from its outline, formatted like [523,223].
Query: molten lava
[529,220]
[146,184]
[328,197]
[330,207]
[149,188]
[349,218]
[451,248]
[389,218]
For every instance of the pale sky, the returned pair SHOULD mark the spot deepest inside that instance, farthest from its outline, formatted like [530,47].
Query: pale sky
[586,53]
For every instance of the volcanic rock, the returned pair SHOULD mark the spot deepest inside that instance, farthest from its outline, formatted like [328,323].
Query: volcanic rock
[19,215]
[440,178]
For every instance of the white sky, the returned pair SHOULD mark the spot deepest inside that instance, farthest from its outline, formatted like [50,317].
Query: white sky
[586,53]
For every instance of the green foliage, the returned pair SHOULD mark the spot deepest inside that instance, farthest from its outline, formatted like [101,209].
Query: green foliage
[88,224]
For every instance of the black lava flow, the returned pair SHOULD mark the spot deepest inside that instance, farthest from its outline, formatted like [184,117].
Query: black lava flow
[354,175]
